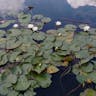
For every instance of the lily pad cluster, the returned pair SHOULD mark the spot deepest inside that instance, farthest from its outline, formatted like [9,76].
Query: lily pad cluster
[28,58]
[85,69]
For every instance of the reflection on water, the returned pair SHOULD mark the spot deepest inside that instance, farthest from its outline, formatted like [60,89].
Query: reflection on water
[78,3]
[60,9]
[11,6]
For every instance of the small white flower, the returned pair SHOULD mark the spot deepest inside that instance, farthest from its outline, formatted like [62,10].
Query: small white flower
[40,64]
[58,23]
[86,28]
[15,25]
[35,28]
[56,48]
[60,34]
[30,26]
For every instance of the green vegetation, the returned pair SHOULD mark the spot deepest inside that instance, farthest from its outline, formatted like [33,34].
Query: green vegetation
[28,57]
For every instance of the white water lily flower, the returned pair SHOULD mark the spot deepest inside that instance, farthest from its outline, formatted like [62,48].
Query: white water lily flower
[30,26]
[58,23]
[86,28]
[35,28]
[15,25]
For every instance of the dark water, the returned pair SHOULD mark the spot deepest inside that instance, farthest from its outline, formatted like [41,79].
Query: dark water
[61,10]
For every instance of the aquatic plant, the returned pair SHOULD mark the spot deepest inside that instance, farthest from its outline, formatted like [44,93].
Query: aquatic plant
[28,57]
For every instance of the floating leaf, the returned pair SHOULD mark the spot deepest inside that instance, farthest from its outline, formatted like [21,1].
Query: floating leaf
[58,43]
[26,68]
[39,67]
[39,36]
[81,78]
[50,38]
[43,79]
[11,79]
[22,84]
[92,76]
[3,60]
[12,93]
[13,44]
[14,32]
[30,93]
[82,54]
[7,23]
[13,56]
[47,45]
[46,20]
[24,18]
[87,68]
[3,90]
[52,69]
[70,27]
[2,34]
[36,17]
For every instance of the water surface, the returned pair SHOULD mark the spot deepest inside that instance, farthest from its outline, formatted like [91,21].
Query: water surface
[67,11]
[61,9]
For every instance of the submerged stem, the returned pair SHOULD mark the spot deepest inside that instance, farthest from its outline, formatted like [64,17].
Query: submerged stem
[73,90]
[66,71]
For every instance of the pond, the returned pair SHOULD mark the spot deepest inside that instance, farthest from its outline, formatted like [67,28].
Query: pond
[67,11]
[76,12]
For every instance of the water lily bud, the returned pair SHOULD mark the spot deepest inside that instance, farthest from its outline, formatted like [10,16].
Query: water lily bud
[58,23]
[30,26]
[60,34]
[15,25]
[35,28]
[86,28]
[40,64]
[17,59]
[56,48]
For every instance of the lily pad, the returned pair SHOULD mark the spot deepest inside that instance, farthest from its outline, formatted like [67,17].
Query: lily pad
[22,84]
[39,36]
[24,18]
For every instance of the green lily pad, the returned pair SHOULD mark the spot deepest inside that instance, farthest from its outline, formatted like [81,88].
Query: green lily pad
[7,23]
[22,84]
[24,18]
[13,93]
[11,78]
[44,80]
[36,17]
[87,67]
[46,20]
[39,36]
[39,68]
